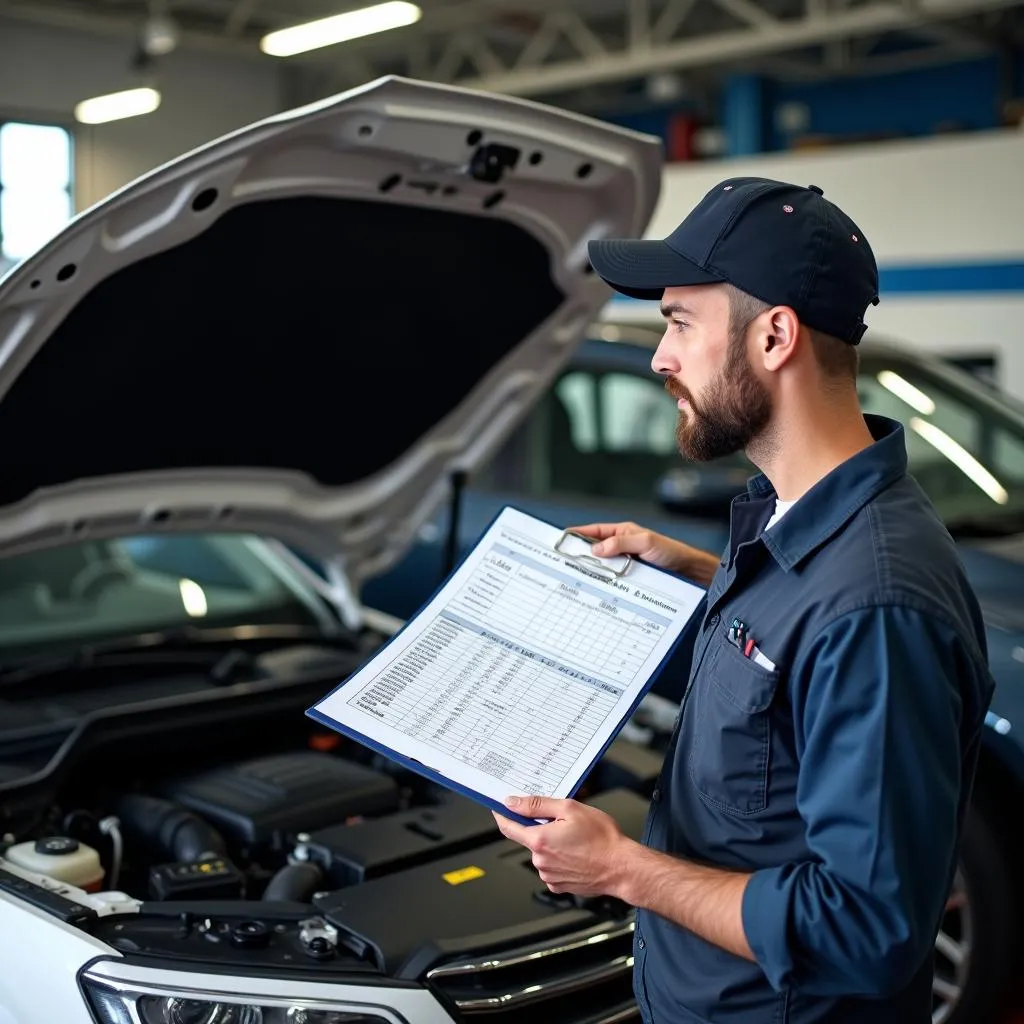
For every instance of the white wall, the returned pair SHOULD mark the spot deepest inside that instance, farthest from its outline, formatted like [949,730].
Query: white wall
[44,73]
[938,198]
[923,204]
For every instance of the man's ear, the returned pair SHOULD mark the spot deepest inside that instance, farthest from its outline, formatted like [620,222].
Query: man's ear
[776,336]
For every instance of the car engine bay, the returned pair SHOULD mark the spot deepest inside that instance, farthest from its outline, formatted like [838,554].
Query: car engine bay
[279,827]
[273,827]
[315,859]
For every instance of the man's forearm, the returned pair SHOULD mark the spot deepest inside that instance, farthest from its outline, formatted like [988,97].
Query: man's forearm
[706,901]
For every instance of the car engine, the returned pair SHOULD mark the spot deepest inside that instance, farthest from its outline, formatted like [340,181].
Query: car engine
[278,828]
[317,864]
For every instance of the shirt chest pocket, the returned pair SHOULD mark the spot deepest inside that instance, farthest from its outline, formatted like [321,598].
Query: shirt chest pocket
[730,742]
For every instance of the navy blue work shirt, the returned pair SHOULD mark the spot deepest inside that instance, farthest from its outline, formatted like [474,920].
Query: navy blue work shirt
[835,767]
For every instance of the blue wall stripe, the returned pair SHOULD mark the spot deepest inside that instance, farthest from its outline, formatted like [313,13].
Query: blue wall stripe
[952,277]
[941,278]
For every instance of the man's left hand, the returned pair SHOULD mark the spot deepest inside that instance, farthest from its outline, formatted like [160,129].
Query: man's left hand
[580,850]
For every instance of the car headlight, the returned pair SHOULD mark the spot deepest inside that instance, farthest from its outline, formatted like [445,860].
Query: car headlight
[137,1005]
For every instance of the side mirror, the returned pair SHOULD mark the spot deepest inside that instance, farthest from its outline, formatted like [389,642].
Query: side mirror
[704,491]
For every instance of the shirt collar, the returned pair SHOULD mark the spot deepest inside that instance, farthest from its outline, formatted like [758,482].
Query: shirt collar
[828,505]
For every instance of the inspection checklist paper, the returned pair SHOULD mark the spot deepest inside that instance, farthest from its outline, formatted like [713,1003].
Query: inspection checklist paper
[518,673]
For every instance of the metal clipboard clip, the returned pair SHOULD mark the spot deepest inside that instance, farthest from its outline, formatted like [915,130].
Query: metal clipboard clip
[591,561]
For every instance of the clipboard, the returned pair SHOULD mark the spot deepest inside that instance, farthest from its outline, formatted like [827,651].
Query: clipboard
[598,564]
[562,684]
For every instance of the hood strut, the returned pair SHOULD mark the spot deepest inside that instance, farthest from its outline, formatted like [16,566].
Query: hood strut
[451,548]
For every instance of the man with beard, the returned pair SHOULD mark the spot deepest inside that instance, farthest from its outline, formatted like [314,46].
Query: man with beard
[803,835]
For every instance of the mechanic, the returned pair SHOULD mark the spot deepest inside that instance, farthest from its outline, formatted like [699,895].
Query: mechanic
[803,835]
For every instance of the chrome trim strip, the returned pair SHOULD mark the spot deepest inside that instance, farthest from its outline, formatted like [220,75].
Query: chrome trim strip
[522,955]
[622,1016]
[550,989]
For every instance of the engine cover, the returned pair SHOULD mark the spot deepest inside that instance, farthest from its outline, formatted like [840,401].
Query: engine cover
[371,849]
[475,900]
[271,799]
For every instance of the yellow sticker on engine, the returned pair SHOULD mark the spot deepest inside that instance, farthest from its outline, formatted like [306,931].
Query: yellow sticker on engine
[463,875]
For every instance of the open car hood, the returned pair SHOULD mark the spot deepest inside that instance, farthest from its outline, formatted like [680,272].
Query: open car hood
[303,329]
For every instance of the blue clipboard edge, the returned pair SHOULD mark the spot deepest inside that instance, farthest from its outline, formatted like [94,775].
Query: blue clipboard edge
[434,776]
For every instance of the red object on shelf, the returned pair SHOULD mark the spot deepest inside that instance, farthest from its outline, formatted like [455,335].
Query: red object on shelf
[679,137]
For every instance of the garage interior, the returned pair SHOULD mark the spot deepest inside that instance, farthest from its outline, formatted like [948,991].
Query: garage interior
[164,303]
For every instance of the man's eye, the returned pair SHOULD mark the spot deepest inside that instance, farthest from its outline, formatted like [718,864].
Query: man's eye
[680,325]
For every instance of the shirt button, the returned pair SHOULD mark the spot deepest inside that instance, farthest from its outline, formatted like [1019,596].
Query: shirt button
[714,620]
[640,942]
[656,795]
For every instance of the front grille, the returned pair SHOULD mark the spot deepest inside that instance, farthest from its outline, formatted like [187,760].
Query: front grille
[585,977]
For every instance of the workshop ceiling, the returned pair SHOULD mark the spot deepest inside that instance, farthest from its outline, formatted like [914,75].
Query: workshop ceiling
[570,50]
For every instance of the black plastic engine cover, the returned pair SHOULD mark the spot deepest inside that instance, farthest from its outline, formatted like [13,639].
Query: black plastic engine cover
[478,899]
[370,849]
[260,801]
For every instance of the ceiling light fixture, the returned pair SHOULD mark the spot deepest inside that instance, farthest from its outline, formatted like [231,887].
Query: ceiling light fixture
[339,28]
[117,105]
[159,36]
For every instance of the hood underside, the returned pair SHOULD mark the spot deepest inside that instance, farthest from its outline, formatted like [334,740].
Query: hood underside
[305,328]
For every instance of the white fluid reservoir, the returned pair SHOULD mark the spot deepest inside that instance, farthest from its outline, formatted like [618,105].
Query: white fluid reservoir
[60,858]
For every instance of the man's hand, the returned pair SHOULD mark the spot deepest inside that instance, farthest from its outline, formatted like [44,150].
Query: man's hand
[581,850]
[655,548]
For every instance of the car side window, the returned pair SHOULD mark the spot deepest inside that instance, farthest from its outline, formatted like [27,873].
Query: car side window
[608,434]
[577,393]
[1008,455]
[637,415]
[967,462]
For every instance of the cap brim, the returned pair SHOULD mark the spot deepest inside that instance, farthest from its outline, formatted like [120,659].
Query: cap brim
[644,268]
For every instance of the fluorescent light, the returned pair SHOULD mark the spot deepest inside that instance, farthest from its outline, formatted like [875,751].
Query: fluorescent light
[962,459]
[339,28]
[117,105]
[193,597]
[902,388]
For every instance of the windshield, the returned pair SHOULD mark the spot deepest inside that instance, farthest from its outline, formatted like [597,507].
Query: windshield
[55,599]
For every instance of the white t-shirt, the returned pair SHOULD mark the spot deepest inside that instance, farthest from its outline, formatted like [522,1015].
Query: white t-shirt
[781,508]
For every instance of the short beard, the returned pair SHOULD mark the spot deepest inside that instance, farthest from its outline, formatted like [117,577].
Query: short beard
[734,409]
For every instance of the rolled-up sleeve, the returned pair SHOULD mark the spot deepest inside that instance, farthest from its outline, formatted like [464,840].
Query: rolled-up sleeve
[877,713]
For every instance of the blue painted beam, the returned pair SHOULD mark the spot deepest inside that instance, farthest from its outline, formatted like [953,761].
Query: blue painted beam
[743,115]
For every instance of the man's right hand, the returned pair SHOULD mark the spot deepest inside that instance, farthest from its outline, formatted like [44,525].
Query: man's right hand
[654,548]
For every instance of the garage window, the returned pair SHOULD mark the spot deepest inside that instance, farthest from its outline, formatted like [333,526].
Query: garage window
[35,187]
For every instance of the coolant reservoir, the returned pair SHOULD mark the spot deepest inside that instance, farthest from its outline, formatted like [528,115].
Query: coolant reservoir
[62,859]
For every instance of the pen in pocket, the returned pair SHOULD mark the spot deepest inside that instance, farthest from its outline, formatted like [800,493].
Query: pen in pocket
[739,635]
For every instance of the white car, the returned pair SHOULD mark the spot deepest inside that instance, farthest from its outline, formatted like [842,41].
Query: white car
[298,338]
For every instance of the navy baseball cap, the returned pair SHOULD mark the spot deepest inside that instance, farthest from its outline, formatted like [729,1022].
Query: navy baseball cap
[784,244]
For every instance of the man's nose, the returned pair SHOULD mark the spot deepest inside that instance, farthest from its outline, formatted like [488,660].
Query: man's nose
[663,361]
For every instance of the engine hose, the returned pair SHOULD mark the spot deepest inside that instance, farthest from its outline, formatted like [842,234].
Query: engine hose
[179,834]
[111,828]
[295,883]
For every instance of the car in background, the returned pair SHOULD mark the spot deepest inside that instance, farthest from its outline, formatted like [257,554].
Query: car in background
[600,446]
